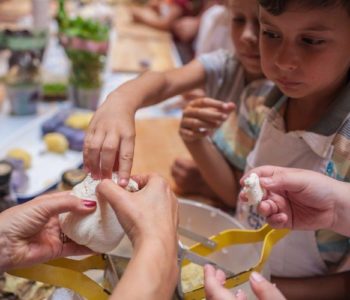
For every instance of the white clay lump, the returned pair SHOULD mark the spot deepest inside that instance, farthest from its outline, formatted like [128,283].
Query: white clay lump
[100,231]
[253,190]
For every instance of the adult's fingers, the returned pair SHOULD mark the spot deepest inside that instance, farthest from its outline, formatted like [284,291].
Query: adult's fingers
[263,289]
[280,179]
[213,285]
[56,203]
[115,196]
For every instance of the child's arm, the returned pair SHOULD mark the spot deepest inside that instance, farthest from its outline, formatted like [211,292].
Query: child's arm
[109,142]
[157,20]
[335,286]
[200,118]
[216,171]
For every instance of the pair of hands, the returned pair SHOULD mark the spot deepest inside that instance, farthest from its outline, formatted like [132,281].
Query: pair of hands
[202,116]
[30,233]
[214,289]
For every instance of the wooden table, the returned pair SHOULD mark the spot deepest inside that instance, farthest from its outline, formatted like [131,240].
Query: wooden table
[139,47]
[157,145]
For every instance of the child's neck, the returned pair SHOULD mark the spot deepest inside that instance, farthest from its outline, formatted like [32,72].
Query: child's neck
[304,113]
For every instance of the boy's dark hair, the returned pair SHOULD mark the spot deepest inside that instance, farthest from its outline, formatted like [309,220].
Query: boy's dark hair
[277,7]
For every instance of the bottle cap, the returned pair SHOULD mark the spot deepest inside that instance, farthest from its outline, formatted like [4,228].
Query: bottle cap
[71,178]
[5,172]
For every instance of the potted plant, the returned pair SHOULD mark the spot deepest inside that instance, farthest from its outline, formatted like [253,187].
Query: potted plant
[86,43]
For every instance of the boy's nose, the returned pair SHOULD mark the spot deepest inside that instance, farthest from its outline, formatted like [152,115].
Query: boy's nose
[286,58]
[250,33]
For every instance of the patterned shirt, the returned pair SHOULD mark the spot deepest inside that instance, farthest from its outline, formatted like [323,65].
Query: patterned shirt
[224,76]
[262,102]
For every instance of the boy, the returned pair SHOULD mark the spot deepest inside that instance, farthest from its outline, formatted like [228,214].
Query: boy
[305,48]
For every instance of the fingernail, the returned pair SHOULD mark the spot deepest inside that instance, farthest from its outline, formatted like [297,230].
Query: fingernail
[238,293]
[266,181]
[255,276]
[89,203]
[123,182]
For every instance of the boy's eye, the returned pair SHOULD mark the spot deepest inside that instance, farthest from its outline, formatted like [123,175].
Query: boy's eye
[238,20]
[270,34]
[312,41]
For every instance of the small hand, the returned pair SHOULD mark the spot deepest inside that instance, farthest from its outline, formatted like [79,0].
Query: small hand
[30,233]
[202,116]
[110,140]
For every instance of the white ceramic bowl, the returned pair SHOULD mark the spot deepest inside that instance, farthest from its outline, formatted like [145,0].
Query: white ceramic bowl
[208,221]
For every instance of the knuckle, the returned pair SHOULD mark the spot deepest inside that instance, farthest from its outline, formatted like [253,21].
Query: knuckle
[126,157]
[107,147]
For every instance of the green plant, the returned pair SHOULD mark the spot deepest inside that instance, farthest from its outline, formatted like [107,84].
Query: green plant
[86,65]
[86,68]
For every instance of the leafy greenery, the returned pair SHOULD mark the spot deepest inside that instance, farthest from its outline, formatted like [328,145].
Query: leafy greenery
[86,68]
[83,28]
[54,89]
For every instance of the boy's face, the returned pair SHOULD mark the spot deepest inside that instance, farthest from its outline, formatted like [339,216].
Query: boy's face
[306,52]
[245,34]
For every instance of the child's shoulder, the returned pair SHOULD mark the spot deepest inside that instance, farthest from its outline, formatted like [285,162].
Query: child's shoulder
[219,57]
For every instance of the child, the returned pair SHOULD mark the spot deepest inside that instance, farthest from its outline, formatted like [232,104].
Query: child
[110,138]
[305,48]
[180,17]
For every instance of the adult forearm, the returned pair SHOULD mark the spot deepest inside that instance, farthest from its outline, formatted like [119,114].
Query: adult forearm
[5,262]
[151,274]
[333,287]
[215,170]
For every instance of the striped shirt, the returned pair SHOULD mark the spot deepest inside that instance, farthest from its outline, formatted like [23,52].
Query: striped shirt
[262,102]
[224,76]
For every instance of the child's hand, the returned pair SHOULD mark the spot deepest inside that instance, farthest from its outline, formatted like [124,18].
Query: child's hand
[110,140]
[202,116]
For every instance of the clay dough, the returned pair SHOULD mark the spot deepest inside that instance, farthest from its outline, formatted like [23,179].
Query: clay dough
[253,190]
[100,231]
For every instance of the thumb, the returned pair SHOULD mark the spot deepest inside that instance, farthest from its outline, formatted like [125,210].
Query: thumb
[114,195]
[263,289]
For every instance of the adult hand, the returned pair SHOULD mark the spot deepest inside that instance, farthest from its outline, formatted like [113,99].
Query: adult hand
[30,233]
[298,199]
[149,214]
[214,289]
[202,116]
[110,140]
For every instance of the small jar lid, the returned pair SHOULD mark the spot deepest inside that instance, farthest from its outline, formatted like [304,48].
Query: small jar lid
[5,171]
[72,177]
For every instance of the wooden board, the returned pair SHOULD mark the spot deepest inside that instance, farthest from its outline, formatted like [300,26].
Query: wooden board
[157,145]
[132,54]
[139,47]
[13,10]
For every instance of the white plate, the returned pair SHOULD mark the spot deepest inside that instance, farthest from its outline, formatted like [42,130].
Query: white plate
[46,167]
